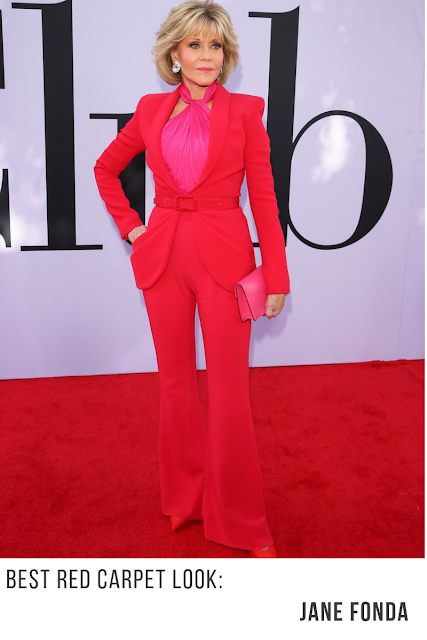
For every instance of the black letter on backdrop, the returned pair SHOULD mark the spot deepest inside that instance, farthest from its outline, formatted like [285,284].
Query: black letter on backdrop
[4,191]
[378,180]
[5,209]
[280,119]
[133,176]
[281,102]
[57,31]
[1,55]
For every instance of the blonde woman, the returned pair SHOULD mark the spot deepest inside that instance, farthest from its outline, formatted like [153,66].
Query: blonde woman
[200,140]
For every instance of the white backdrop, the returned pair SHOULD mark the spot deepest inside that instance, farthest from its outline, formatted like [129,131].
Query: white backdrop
[78,312]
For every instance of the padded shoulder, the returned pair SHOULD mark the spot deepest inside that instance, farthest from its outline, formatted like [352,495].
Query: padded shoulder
[245,98]
[151,100]
[247,106]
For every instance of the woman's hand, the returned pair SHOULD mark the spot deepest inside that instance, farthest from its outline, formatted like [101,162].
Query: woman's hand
[274,305]
[137,232]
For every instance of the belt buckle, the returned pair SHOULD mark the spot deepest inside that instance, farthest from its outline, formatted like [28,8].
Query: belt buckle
[190,206]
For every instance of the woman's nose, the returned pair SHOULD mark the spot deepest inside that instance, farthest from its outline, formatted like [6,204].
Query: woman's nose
[206,53]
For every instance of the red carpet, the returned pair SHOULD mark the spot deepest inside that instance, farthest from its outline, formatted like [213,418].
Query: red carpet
[341,449]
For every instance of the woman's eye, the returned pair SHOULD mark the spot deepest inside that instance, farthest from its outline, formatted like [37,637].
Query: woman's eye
[215,45]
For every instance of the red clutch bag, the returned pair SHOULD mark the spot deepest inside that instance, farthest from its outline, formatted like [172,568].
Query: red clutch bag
[251,294]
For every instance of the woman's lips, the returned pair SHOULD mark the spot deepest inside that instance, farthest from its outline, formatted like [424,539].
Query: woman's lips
[205,69]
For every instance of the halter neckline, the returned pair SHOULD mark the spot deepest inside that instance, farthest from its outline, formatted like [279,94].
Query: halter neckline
[185,139]
[186,94]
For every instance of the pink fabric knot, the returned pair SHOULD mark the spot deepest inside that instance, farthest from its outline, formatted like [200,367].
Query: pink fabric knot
[185,139]
[185,94]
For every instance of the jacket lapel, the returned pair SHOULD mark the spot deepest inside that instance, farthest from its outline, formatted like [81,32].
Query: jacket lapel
[218,133]
[159,122]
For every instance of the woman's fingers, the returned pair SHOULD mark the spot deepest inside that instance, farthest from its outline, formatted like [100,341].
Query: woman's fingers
[137,232]
[274,304]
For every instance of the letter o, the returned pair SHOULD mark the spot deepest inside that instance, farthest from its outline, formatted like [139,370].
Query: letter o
[200,583]
[190,573]
[365,612]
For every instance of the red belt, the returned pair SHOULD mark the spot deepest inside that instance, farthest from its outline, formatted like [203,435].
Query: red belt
[190,203]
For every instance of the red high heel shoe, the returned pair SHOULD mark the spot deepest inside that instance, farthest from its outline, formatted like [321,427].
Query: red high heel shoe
[270,552]
[178,523]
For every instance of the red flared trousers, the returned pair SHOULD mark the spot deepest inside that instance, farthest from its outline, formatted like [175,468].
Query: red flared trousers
[212,471]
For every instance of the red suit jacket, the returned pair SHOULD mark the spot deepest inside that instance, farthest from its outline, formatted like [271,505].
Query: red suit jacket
[238,143]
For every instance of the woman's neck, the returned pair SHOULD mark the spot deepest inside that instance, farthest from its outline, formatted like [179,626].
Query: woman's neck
[197,91]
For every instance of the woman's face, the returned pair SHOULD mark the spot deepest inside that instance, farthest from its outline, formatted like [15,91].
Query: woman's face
[201,57]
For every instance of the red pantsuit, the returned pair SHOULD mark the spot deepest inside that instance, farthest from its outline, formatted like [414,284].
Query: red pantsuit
[211,473]
[189,258]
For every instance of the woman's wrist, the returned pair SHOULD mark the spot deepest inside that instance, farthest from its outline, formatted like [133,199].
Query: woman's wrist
[137,231]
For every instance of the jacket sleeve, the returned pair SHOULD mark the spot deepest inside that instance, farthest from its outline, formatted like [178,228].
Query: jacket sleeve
[263,202]
[127,144]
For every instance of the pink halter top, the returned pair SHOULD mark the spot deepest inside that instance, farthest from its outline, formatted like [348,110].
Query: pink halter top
[185,139]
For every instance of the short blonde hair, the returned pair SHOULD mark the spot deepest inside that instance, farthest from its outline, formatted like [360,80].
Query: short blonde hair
[194,17]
